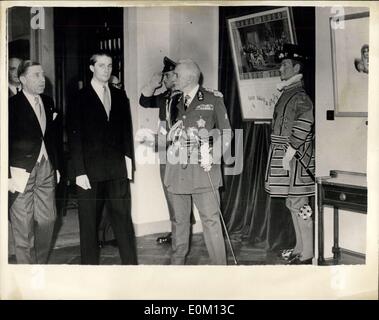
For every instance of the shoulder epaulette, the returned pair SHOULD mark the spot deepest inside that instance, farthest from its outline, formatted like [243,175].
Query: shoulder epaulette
[215,92]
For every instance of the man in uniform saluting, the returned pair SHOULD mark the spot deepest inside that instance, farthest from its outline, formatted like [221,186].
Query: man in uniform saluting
[197,113]
[161,101]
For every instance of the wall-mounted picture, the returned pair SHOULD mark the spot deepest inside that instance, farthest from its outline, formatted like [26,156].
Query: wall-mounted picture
[256,40]
[350,57]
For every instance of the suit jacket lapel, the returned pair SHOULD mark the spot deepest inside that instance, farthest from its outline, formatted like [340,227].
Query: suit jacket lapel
[48,112]
[97,102]
[30,114]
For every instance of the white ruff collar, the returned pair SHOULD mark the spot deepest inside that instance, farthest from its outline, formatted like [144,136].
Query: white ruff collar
[283,84]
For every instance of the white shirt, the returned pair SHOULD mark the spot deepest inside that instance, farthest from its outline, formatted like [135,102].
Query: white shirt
[191,94]
[32,102]
[99,89]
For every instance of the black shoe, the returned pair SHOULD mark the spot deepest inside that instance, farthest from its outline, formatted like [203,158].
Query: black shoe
[297,261]
[165,239]
[112,243]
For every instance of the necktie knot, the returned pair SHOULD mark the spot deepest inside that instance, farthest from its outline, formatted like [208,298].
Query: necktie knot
[186,101]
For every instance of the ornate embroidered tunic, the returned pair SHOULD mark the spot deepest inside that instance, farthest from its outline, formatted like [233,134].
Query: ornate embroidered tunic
[293,124]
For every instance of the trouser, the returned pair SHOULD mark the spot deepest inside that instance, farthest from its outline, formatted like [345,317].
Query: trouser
[105,231]
[171,212]
[162,169]
[210,219]
[303,228]
[33,214]
[11,244]
[115,195]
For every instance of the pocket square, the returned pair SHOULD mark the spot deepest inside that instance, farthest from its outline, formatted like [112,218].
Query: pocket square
[55,115]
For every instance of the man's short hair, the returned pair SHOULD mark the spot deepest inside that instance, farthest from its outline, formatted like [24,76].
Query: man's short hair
[13,57]
[301,64]
[364,47]
[24,66]
[192,67]
[97,54]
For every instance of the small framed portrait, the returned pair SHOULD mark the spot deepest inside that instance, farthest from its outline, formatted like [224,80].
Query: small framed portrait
[350,61]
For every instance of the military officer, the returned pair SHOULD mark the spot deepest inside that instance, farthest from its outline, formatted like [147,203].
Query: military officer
[198,112]
[149,100]
[291,163]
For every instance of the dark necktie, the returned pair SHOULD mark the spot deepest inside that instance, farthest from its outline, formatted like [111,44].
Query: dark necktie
[186,101]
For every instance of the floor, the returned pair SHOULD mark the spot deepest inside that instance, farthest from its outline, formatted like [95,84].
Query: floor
[66,248]
[67,251]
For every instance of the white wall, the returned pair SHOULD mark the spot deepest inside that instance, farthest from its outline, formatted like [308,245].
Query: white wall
[340,144]
[150,34]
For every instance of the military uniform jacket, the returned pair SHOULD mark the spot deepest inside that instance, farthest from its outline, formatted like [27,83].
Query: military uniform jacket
[293,124]
[206,111]
[156,101]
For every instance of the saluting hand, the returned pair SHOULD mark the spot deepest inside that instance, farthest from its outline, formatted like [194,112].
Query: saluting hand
[154,83]
[156,80]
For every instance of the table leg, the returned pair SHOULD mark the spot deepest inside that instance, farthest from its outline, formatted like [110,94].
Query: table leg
[320,208]
[336,249]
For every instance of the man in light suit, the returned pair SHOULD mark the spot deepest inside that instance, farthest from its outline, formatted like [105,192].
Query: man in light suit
[101,146]
[33,163]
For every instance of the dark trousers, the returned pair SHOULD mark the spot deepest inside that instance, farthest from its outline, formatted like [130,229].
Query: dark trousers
[115,194]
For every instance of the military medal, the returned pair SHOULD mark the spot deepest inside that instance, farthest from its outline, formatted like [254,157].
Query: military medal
[201,123]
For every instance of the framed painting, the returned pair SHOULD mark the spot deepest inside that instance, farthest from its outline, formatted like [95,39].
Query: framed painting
[255,41]
[350,61]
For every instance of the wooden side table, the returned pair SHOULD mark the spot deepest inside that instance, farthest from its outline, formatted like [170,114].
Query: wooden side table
[342,190]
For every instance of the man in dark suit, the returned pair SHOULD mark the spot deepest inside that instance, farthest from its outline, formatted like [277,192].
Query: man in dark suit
[101,146]
[32,164]
[14,84]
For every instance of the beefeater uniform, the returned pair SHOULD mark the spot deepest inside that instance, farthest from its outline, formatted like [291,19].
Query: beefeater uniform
[293,123]
[293,126]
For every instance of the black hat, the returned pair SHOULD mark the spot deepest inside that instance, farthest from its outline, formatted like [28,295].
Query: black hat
[292,51]
[169,65]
